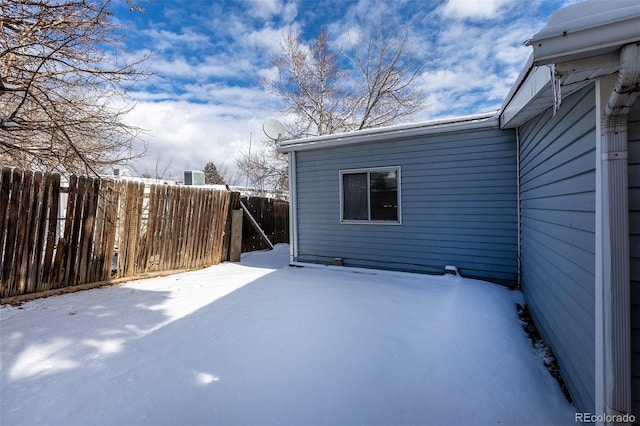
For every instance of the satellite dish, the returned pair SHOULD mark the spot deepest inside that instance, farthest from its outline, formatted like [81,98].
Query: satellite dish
[273,129]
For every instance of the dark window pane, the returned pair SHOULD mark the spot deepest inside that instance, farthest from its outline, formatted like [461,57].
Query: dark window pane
[354,187]
[384,195]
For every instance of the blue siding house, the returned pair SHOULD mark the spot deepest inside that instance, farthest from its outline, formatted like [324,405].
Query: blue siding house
[543,195]
[410,198]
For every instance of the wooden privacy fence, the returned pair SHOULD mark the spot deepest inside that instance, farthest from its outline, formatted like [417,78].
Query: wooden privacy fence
[110,230]
[273,217]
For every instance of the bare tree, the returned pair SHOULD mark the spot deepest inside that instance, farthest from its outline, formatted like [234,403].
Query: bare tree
[266,169]
[161,169]
[229,175]
[388,71]
[324,91]
[62,86]
[310,86]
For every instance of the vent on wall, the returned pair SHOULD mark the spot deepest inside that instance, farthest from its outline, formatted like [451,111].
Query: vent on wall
[451,270]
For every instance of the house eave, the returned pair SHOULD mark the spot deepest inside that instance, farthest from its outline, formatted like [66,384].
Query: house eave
[441,126]
[530,96]
[574,52]
[589,36]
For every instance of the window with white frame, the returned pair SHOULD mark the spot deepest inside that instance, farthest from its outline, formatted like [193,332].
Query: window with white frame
[370,195]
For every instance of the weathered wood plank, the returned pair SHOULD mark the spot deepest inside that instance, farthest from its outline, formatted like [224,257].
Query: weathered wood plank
[151,229]
[22,253]
[124,218]
[52,230]
[181,223]
[209,248]
[192,238]
[8,273]
[5,198]
[110,224]
[234,198]
[197,238]
[73,244]
[137,226]
[5,190]
[159,233]
[222,212]
[36,236]
[236,235]
[88,222]
[220,221]
[61,260]
[97,260]
[205,226]
[62,249]
[43,214]
[176,228]
[184,229]
[165,248]
[131,232]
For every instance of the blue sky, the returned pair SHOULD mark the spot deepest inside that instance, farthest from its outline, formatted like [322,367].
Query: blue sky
[205,102]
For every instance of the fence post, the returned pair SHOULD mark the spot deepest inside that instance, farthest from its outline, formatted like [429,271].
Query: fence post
[236,235]
[234,204]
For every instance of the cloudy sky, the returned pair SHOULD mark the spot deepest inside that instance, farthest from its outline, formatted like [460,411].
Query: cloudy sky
[205,102]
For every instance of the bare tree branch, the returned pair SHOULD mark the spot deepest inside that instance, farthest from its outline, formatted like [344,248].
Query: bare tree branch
[390,70]
[323,91]
[266,169]
[63,86]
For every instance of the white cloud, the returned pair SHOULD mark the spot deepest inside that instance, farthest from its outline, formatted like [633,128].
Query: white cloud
[268,9]
[211,66]
[171,67]
[289,12]
[264,9]
[163,39]
[447,79]
[373,12]
[188,134]
[475,9]
[209,100]
[266,39]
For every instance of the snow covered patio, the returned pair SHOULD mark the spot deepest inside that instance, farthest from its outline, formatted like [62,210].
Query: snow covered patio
[262,343]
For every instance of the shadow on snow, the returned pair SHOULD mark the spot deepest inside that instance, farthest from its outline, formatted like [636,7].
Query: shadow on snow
[294,346]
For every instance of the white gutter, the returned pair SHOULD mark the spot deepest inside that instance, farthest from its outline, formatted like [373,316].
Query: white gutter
[518,201]
[613,352]
[604,87]
[460,124]
[293,209]
[587,29]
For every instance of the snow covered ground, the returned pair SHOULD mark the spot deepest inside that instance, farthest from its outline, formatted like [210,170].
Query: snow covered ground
[262,343]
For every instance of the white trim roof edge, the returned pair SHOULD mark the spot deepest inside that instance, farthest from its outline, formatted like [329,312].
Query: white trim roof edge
[568,27]
[567,46]
[599,39]
[521,85]
[446,125]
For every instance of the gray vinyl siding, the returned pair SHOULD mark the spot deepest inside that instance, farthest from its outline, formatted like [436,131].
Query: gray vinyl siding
[458,205]
[634,231]
[557,183]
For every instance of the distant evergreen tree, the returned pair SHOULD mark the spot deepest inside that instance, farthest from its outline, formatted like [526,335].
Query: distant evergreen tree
[211,175]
